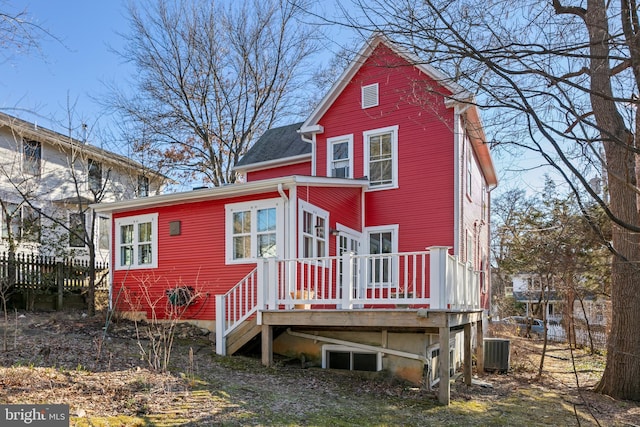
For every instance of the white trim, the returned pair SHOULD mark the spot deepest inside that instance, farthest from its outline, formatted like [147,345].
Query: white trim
[253,207]
[393,130]
[267,164]
[234,190]
[339,139]
[316,212]
[135,220]
[457,193]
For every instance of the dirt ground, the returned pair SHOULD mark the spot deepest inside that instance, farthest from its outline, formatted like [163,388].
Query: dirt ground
[98,369]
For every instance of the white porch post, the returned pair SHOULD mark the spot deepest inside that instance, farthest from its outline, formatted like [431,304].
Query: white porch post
[221,344]
[438,276]
[263,291]
[347,284]
[271,286]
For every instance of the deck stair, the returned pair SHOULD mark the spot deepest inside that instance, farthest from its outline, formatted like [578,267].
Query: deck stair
[240,336]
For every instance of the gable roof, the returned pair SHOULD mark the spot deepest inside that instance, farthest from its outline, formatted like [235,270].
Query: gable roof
[28,130]
[459,97]
[277,145]
[457,92]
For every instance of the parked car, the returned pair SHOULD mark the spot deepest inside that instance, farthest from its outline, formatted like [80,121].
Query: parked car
[521,323]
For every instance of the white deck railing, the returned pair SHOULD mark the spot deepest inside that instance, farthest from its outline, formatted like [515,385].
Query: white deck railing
[430,279]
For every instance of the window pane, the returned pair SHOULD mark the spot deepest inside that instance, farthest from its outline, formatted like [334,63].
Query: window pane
[10,215]
[144,232]
[95,176]
[308,223]
[76,230]
[126,255]
[241,247]
[320,227]
[144,254]
[266,219]
[30,225]
[32,153]
[143,186]
[307,247]
[103,233]
[267,245]
[242,222]
[126,233]
[341,151]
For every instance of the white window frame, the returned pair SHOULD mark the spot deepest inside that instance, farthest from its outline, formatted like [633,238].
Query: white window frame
[136,221]
[253,207]
[337,140]
[365,93]
[393,130]
[316,212]
[393,229]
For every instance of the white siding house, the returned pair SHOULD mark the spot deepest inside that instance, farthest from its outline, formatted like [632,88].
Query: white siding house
[47,182]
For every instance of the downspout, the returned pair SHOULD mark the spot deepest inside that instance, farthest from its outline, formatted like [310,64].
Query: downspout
[287,217]
[398,353]
[311,141]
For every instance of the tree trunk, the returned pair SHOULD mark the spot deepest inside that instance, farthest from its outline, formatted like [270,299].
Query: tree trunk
[622,371]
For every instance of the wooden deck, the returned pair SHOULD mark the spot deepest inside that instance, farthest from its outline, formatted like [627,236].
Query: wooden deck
[439,322]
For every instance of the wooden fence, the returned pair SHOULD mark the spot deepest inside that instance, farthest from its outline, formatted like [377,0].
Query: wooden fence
[29,278]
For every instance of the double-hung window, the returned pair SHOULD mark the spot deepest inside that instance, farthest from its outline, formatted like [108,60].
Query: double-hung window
[20,223]
[314,223]
[381,157]
[381,268]
[254,230]
[340,156]
[137,242]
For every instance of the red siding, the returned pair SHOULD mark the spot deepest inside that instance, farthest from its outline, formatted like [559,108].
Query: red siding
[343,204]
[303,168]
[423,205]
[194,258]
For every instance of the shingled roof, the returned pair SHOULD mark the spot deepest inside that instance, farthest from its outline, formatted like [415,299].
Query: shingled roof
[276,144]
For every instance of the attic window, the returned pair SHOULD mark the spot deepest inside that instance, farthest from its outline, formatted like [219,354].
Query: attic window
[370,95]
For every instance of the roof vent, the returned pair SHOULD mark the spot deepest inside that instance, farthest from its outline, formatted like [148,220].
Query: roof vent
[370,95]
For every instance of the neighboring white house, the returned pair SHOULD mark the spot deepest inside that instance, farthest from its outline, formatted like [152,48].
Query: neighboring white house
[47,182]
[527,289]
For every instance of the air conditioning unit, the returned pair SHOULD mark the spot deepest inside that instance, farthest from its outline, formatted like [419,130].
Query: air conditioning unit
[496,354]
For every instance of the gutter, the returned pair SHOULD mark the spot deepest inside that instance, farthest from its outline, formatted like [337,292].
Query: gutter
[373,348]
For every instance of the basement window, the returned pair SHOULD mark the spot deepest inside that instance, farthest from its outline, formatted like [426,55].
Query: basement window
[350,358]
[433,357]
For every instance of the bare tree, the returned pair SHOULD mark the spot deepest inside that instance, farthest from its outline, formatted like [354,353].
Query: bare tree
[210,76]
[562,79]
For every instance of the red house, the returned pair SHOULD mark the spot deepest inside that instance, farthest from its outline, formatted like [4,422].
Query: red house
[360,238]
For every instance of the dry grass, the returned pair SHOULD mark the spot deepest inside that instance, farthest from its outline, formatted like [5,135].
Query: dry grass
[57,361]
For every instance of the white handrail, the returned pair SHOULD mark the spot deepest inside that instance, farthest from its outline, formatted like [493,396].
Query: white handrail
[234,307]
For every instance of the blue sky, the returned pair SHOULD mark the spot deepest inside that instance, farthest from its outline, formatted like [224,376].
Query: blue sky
[39,86]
